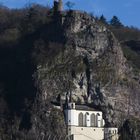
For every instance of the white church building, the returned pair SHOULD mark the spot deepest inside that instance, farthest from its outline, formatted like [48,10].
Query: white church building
[84,123]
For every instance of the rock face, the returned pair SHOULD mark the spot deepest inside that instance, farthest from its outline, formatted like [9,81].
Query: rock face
[90,64]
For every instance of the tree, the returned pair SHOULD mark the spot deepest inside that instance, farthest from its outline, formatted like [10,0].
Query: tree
[103,19]
[35,16]
[115,22]
[70,5]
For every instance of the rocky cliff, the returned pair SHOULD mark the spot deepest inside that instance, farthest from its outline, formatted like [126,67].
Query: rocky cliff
[90,64]
[74,53]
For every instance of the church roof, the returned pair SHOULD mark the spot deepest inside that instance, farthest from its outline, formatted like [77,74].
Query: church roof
[85,108]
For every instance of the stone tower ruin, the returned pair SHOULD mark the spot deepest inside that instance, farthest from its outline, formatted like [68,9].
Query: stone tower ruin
[58,5]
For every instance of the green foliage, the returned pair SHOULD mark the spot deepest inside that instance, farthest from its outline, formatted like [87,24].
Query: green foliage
[130,130]
[126,33]
[9,36]
[15,23]
[34,34]
[33,19]
[57,122]
[132,54]
[129,37]
[116,22]
[19,30]
[103,19]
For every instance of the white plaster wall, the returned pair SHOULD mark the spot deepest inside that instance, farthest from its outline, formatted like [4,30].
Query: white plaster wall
[72,117]
[86,133]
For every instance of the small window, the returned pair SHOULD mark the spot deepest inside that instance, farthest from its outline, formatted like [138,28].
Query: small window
[92,120]
[84,120]
[80,119]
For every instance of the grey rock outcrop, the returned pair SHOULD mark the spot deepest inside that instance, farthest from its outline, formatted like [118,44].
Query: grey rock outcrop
[91,65]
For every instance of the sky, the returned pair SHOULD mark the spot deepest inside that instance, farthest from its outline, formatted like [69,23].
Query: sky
[126,10]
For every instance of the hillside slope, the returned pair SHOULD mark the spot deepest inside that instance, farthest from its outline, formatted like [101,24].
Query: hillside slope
[69,53]
[90,64]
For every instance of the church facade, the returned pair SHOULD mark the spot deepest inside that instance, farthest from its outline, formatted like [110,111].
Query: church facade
[84,123]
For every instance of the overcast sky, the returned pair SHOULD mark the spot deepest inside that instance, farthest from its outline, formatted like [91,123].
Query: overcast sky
[128,11]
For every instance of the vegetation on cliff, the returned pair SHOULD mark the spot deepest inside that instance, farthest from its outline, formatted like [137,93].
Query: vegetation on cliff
[37,56]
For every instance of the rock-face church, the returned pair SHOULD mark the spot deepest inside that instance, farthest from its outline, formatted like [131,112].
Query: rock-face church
[84,123]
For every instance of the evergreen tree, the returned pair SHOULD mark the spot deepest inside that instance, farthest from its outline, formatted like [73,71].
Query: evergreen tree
[115,22]
[103,19]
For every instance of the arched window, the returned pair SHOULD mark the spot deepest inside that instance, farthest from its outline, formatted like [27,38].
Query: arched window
[84,120]
[98,122]
[92,120]
[80,119]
